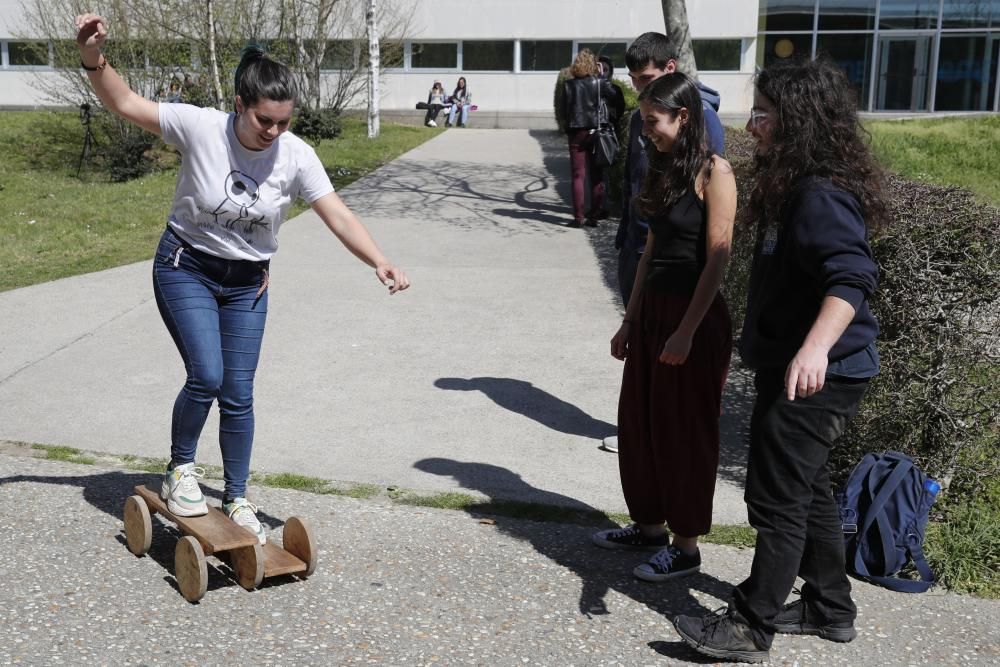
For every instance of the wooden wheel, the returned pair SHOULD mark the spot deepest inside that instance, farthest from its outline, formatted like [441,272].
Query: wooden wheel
[138,525]
[248,563]
[297,540]
[191,569]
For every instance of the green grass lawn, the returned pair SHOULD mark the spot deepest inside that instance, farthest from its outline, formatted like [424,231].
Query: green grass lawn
[53,224]
[947,151]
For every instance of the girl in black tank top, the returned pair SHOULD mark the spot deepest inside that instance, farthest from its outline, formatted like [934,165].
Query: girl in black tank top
[676,338]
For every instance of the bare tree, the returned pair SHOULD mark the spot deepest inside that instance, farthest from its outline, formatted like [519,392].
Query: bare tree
[675,20]
[212,59]
[373,71]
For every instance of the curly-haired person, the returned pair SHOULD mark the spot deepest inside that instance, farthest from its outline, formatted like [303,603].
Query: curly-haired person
[810,337]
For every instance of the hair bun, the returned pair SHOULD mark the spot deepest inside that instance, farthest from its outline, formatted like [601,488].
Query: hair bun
[252,52]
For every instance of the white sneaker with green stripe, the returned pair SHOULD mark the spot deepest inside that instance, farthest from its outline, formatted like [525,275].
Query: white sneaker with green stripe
[181,492]
[244,514]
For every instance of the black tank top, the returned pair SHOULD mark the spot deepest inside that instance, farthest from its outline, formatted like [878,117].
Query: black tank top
[679,246]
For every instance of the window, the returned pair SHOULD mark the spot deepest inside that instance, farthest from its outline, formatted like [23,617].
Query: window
[492,56]
[786,14]
[779,47]
[27,54]
[126,54]
[613,50]
[390,55]
[433,56]
[968,14]
[719,55]
[545,56]
[339,55]
[963,75]
[853,52]
[846,14]
[908,14]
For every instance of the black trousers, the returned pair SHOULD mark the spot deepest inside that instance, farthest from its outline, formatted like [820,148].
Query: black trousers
[790,503]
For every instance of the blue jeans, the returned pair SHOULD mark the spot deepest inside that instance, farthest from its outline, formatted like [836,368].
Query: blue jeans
[215,310]
[454,112]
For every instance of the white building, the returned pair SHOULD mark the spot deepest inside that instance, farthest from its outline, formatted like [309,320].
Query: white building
[904,55]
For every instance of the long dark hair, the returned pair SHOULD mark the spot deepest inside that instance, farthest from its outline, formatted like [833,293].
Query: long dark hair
[672,174]
[260,77]
[464,87]
[814,132]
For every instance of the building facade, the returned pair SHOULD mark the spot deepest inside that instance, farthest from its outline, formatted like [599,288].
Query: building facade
[903,55]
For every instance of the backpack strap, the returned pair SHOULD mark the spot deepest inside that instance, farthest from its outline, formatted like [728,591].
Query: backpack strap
[875,513]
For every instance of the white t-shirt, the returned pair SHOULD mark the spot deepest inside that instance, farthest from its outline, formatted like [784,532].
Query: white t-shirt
[230,200]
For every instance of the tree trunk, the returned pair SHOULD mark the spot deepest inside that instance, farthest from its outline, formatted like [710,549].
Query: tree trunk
[373,67]
[217,83]
[675,19]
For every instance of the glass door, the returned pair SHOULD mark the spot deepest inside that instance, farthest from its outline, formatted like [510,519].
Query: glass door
[903,66]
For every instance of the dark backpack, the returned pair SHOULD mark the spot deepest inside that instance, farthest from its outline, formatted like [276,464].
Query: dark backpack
[884,507]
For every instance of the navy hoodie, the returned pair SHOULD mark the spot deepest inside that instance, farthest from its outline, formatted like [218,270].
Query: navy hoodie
[633,228]
[820,249]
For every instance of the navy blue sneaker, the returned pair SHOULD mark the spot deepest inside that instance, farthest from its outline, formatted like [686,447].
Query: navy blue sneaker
[669,563]
[630,537]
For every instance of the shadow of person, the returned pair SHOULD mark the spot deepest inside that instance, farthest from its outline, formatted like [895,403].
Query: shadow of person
[107,492]
[526,399]
[568,544]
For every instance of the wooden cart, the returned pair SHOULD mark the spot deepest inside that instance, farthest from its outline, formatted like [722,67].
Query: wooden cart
[218,535]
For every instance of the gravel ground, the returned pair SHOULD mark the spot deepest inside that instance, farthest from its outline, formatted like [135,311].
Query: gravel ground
[395,585]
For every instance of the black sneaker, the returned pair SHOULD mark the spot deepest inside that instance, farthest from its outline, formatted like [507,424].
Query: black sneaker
[629,537]
[796,619]
[667,564]
[719,635]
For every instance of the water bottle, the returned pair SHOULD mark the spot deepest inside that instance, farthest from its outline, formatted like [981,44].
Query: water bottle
[931,489]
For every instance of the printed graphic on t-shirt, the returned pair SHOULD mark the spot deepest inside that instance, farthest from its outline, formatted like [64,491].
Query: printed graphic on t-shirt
[235,212]
[770,239]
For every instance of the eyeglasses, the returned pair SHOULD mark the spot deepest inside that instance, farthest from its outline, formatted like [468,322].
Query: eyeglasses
[756,117]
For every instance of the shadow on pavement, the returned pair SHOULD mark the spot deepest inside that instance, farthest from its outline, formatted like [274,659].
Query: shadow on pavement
[468,194]
[526,399]
[599,570]
[107,492]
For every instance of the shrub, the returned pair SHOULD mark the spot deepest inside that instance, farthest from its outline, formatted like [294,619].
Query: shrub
[126,157]
[938,305]
[317,124]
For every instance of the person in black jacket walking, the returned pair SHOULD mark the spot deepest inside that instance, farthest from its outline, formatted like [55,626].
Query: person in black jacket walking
[809,335]
[582,95]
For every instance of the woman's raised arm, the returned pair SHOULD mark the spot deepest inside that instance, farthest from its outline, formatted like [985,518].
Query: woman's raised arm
[112,90]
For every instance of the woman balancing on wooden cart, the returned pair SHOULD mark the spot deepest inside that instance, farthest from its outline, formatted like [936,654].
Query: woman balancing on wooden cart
[239,174]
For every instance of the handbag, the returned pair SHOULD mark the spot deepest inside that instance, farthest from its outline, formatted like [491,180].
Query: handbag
[605,138]
[423,105]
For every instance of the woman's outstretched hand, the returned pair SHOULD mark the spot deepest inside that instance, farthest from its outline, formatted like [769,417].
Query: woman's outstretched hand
[91,31]
[392,277]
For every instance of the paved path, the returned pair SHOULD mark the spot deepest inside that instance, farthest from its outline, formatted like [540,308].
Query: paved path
[395,585]
[491,374]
